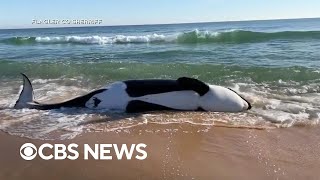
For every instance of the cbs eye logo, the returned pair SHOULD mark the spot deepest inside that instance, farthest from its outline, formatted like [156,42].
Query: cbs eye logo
[28,151]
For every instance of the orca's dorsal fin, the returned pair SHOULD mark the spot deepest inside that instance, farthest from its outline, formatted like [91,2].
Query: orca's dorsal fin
[194,84]
[26,94]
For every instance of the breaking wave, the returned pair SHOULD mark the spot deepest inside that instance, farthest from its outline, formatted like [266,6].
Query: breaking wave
[195,36]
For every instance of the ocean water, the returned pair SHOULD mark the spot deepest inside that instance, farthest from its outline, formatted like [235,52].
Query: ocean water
[274,64]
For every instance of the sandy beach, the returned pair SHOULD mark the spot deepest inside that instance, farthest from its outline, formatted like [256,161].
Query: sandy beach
[202,153]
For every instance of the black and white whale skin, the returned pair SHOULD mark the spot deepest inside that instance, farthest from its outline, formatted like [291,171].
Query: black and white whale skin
[132,96]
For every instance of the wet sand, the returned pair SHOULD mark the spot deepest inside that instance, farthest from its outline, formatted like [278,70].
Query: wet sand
[180,151]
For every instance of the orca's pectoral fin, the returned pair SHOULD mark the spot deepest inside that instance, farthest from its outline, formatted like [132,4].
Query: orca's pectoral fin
[26,94]
[194,84]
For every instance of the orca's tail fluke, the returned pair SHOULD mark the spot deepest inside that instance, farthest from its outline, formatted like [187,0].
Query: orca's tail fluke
[26,94]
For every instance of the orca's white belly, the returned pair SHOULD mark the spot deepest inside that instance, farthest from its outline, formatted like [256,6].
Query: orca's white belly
[183,100]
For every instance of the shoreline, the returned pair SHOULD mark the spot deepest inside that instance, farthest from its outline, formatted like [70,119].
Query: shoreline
[215,152]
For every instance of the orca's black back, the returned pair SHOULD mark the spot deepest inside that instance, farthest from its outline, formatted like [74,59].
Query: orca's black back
[136,88]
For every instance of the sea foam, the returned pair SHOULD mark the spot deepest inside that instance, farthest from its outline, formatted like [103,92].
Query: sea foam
[103,39]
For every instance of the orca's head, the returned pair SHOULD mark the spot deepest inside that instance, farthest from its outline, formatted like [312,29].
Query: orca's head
[223,99]
[247,104]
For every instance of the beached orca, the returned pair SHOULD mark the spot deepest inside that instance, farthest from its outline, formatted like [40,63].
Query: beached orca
[183,94]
